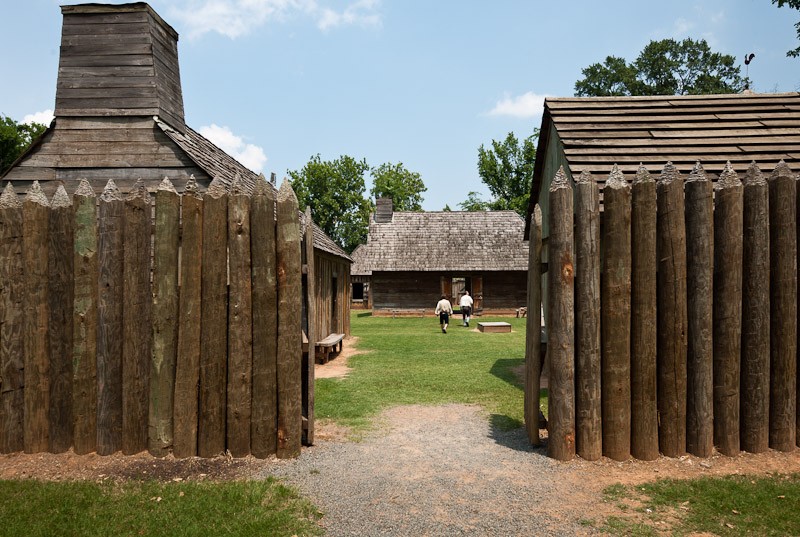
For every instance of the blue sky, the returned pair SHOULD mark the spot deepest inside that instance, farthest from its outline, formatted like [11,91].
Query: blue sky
[424,83]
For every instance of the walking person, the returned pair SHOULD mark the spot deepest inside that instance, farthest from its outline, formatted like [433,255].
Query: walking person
[466,307]
[444,310]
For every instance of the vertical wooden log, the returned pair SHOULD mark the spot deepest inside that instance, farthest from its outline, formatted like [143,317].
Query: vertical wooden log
[533,329]
[755,314]
[783,312]
[264,421]
[187,368]
[699,305]
[311,309]
[290,345]
[136,315]
[84,353]
[561,318]
[12,293]
[728,226]
[672,321]
[616,317]
[240,322]
[109,320]
[165,318]
[588,405]
[36,342]
[60,325]
[644,410]
[214,321]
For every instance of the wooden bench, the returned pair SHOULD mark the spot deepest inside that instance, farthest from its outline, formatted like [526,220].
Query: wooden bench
[522,312]
[494,327]
[330,345]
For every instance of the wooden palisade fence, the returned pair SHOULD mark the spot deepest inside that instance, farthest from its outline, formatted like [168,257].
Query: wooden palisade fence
[169,324]
[688,339]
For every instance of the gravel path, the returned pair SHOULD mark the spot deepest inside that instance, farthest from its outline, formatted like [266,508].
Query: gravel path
[431,471]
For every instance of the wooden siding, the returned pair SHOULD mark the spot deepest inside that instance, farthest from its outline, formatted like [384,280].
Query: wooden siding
[326,268]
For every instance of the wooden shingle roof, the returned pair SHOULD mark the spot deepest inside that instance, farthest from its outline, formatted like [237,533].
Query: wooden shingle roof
[444,241]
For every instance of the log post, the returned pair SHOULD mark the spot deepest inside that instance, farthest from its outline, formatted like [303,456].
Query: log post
[588,407]
[783,312]
[12,293]
[700,310]
[309,359]
[728,226]
[136,314]
[616,317]
[187,367]
[214,322]
[264,421]
[755,314]
[644,410]
[240,322]
[561,319]
[35,226]
[60,324]
[84,353]
[290,345]
[672,322]
[533,329]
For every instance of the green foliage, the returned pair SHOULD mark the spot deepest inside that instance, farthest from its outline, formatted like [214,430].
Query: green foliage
[473,203]
[15,139]
[794,4]
[666,67]
[403,186]
[507,170]
[447,208]
[335,192]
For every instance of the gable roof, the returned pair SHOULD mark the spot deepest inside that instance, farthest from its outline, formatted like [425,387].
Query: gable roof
[444,241]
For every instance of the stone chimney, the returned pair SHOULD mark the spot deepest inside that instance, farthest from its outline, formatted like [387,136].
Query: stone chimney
[118,60]
[383,210]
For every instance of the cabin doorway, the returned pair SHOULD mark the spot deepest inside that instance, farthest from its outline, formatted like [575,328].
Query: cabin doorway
[334,305]
[455,287]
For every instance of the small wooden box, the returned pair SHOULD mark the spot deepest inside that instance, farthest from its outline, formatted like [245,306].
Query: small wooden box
[494,327]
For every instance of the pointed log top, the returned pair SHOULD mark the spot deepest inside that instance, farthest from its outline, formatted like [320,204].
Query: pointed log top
[217,188]
[139,191]
[728,178]
[85,190]
[585,177]
[643,175]
[36,195]
[192,188]
[237,187]
[166,186]
[669,174]
[60,198]
[308,213]
[286,192]
[111,192]
[753,176]
[781,170]
[537,215]
[697,174]
[616,179]
[559,180]
[9,198]
[261,188]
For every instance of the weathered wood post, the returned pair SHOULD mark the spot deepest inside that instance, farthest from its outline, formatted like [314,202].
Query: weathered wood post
[109,320]
[699,304]
[672,322]
[165,318]
[561,320]
[35,225]
[60,325]
[728,240]
[290,345]
[616,317]
[783,312]
[187,367]
[644,410]
[240,322]
[533,329]
[588,407]
[311,313]
[84,352]
[264,420]
[214,322]
[136,314]
[12,294]
[755,314]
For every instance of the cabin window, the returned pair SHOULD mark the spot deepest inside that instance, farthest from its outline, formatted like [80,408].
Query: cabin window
[358,291]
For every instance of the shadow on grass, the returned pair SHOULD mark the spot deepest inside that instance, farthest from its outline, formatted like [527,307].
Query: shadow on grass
[502,368]
[364,314]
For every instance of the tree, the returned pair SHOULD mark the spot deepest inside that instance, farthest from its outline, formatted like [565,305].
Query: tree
[403,186]
[15,139]
[794,4]
[335,192]
[473,203]
[506,169]
[666,67]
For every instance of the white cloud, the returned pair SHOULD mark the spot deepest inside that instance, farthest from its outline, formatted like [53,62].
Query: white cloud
[250,155]
[44,117]
[235,18]
[681,27]
[526,105]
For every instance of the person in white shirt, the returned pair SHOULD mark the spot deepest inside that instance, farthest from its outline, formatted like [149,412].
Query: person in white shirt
[466,307]
[444,310]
